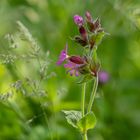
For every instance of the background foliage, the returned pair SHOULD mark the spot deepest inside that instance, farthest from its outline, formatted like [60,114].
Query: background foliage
[33,90]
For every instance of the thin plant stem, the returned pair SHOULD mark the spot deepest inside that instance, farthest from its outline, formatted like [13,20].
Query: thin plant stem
[83,99]
[92,97]
[85,136]
[83,107]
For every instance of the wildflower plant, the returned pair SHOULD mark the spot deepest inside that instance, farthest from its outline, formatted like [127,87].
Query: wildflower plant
[87,67]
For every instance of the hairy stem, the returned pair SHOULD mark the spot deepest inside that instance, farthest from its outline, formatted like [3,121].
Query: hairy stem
[92,97]
[83,99]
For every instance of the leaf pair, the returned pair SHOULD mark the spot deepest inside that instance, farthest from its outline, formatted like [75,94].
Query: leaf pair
[83,124]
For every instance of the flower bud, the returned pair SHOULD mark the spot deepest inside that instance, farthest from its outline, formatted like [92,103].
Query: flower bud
[78,20]
[76,59]
[83,33]
[88,16]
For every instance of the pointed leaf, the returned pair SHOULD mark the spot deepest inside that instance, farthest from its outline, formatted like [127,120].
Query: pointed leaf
[87,122]
[96,38]
[73,117]
[94,56]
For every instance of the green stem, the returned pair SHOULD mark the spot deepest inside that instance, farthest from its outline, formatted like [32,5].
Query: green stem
[85,136]
[93,94]
[83,99]
[83,107]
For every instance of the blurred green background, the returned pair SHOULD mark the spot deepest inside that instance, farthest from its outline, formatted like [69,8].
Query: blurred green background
[27,116]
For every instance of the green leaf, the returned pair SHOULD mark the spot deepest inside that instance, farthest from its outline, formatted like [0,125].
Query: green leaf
[85,78]
[73,117]
[87,122]
[96,38]
[94,56]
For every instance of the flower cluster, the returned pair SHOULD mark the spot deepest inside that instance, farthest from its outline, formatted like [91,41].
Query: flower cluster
[90,35]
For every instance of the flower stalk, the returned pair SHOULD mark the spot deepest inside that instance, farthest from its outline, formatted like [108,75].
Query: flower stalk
[83,99]
[85,136]
[93,94]
[87,66]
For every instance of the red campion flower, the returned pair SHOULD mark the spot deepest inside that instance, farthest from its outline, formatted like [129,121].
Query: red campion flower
[72,68]
[63,55]
[73,63]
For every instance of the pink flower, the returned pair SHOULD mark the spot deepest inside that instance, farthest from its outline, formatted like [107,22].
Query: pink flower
[63,55]
[78,20]
[72,68]
[103,77]
[75,64]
